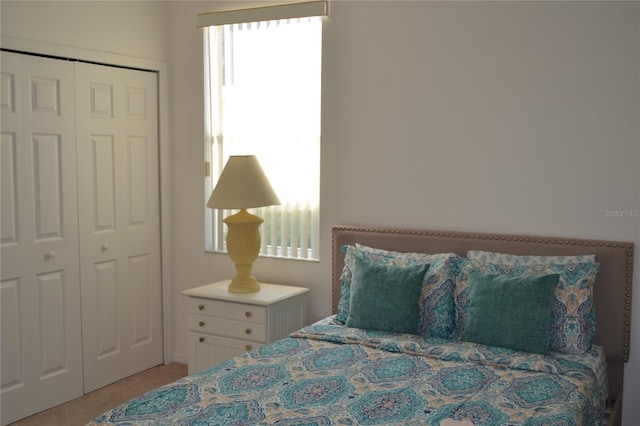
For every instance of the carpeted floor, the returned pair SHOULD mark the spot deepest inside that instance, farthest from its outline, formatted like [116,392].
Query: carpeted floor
[82,410]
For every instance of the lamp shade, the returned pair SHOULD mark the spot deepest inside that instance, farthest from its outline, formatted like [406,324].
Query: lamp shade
[242,185]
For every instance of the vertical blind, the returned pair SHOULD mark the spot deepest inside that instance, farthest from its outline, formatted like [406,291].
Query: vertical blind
[264,99]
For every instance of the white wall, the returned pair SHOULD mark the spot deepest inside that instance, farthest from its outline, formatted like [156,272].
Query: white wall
[497,117]
[129,28]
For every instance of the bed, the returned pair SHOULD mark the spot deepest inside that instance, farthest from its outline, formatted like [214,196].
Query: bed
[356,367]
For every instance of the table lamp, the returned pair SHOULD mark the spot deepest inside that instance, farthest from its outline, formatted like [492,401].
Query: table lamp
[242,185]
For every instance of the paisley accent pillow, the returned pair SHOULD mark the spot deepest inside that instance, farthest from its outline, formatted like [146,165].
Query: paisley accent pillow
[345,281]
[526,260]
[436,299]
[572,322]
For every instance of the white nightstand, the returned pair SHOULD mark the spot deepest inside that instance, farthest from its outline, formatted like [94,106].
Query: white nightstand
[223,325]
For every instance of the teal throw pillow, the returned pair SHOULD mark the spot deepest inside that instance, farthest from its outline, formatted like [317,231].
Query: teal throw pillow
[385,297]
[511,312]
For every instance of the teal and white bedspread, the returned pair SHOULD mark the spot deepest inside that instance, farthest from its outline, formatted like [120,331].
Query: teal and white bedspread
[328,374]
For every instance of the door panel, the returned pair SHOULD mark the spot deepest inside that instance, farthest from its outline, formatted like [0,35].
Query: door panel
[15,386]
[40,266]
[50,141]
[13,334]
[119,222]
[48,209]
[51,314]
[107,293]
[104,183]
[142,315]
[9,190]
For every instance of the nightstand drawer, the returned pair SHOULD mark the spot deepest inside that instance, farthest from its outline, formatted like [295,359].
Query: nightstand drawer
[225,327]
[206,350]
[228,310]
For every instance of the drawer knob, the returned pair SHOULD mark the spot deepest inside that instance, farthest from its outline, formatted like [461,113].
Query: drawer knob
[248,347]
[201,339]
[201,323]
[200,307]
[248,331]
[247,314]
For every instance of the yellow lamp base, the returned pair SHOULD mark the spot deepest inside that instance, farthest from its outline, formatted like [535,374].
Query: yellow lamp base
[243,286]
[243,245]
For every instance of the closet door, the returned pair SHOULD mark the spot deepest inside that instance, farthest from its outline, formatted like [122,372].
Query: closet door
[40,292]
[118,188]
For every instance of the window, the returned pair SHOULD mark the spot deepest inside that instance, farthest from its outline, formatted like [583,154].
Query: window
[262,82]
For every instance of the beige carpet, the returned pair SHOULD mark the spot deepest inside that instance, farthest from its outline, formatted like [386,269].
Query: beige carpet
[82,410]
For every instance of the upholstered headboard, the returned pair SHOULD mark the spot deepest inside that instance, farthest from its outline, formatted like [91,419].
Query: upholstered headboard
[612,294]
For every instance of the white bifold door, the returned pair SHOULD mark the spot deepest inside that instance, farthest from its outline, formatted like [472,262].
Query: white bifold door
[80,246]
[41,319]
[119,222]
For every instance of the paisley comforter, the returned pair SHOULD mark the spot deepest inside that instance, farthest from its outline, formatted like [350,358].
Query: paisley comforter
[328,374]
